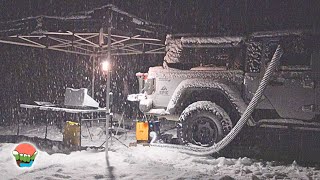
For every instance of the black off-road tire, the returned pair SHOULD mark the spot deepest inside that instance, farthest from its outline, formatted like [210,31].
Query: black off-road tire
[203,123]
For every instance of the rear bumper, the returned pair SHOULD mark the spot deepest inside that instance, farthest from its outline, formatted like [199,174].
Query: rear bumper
[144,104]
[157,112]
[136,97]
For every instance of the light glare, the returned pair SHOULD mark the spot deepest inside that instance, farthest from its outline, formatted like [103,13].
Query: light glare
[105,66]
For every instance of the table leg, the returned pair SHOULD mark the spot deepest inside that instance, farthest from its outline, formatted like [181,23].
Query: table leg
[80,119]
[110,132]
[45,136]
[18,126]
[86,123]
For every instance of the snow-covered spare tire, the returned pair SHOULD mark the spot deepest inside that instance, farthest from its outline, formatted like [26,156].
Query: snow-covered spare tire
[203,123]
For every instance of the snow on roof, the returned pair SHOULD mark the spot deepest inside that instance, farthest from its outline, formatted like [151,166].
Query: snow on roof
[114,8]
[174,46]
[173,49]
[85,21]
[277,33]
[73,17]
[211,40]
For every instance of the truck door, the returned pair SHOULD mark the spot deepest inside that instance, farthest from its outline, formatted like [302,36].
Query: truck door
[316,72]
[292,90]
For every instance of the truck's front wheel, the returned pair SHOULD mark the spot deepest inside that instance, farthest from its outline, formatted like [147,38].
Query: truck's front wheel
[203,123]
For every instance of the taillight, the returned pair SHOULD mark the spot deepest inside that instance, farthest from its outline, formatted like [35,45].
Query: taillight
[142,77]
[145,84]
[139,74]
[145,76]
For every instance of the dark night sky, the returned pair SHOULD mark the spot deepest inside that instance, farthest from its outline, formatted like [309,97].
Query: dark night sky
[29,74]
[192,16]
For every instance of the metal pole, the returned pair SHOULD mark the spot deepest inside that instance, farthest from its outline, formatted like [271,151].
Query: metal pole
[47,116]
[108,91]
[93,72]
[80,119]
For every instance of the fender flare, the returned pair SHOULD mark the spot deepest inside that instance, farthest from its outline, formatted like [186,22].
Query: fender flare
[227,89]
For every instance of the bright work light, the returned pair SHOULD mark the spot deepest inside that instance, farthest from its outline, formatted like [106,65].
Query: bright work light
[105,65]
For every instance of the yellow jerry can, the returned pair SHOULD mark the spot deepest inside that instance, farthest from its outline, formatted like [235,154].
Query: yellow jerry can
[71,134]
[142,131]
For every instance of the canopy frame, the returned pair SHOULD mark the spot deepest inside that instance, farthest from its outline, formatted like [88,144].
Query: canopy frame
[83,34]
[85,44]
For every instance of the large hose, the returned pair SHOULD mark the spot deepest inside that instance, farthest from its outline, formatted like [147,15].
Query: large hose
[242,121]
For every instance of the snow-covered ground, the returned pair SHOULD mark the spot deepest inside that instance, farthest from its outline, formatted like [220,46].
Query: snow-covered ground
[140,162]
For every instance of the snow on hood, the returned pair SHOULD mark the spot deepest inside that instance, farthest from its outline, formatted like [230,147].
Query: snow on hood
[235,76]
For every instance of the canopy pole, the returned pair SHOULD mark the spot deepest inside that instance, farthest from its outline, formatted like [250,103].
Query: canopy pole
[108,90]
[93,75]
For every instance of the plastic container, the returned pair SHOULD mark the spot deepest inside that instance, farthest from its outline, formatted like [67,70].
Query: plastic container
[71,135]
[142,131]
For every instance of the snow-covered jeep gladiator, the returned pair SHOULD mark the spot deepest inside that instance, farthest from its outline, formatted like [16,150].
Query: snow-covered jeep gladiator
[206,84]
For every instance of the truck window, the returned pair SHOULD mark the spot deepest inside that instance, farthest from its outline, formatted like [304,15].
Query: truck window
[297,53]
[253,56]
[230,58]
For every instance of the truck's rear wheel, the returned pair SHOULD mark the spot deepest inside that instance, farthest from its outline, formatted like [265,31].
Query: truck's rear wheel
[203,123]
